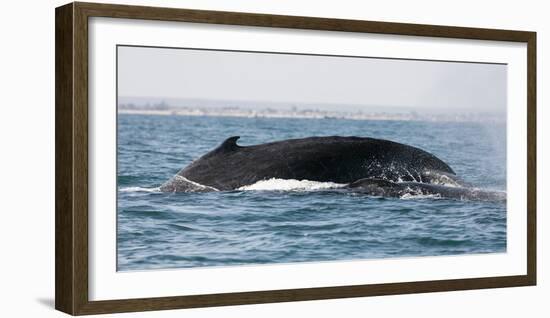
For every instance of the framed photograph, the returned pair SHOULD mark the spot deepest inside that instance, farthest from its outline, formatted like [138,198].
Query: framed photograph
[211,158]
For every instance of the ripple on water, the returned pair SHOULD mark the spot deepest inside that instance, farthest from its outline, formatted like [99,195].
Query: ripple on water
[177,230]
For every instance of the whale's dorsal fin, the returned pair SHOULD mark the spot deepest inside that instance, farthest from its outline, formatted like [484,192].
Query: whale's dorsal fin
[230,144]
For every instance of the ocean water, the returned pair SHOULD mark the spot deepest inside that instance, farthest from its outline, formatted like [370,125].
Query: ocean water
[287,222]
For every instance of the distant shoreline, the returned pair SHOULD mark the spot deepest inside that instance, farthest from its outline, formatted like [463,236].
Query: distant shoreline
[309,115]
[253,114]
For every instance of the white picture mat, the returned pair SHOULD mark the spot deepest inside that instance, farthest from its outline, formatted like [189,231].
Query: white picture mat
[106,283]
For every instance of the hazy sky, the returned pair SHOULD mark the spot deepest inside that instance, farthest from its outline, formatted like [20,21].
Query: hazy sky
[222,75]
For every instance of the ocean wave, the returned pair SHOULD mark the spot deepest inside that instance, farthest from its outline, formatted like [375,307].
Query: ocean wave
[275,184]
[139,189]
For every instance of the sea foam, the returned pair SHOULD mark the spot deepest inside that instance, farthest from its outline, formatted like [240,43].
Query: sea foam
[290,185]
[139,189]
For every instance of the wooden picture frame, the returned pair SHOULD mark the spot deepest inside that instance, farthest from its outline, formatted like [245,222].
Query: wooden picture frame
[71,122]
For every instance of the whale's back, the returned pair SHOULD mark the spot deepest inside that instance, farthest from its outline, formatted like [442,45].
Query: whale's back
[335,159]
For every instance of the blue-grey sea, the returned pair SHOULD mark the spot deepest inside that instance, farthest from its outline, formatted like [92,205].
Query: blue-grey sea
[178,230]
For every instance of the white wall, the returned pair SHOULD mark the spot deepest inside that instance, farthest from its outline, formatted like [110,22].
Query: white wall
[27,158]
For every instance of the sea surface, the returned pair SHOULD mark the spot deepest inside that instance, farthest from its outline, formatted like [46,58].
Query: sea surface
[293,221]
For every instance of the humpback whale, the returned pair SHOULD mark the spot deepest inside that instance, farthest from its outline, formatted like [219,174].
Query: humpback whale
[360,162]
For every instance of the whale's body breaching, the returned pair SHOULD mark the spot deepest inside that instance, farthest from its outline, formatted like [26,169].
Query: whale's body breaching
[342,160]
